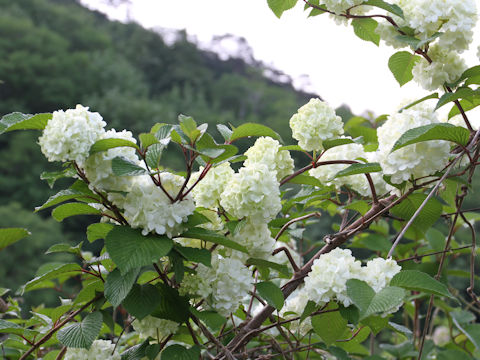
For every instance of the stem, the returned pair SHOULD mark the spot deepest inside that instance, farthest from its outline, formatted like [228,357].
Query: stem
[285,227]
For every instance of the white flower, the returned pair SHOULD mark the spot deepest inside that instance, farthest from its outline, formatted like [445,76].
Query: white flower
[441,336]
[389,34]
[207,192]
[315,122]
[256,237]
[329,275]
[339,6]
[69,134]
[378,273]
[446,67]
[100,350]
[417,160]
[154,327]
[296,304]
[252,192]
[266,151]
[148,207]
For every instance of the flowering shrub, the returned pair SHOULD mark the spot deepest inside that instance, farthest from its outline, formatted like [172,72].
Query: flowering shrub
[225,261]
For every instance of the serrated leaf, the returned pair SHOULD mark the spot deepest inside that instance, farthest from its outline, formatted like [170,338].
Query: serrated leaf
[330,326]
[178,352]
[98,231]
[202,256]
[72,209]
[117,286]
[461,93]
[129,249]
[283,269]
[9,236]
[81,335]
[386,300]
[224,131]
[441,131]
[328,144]
[147,139]
[229,152]
[279,6]
[111,143]
[298,148]
[214,237]
[154,155]
[211,318]
[431,96]
[251,129]
[141,300]
[466,106]
[401,65]
[359,168]
[392,8]
[137,352]
[365,30]
[271,293]
[171,306]
[360,206]
[67,248]
[19,121]
[61,270]
[419,281]
[361,294]
[53,176]
[65,195]
[8,327]
[124,167]
[306,180]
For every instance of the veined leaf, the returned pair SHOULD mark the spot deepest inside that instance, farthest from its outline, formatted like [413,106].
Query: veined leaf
[61,270]
[365,30]
[71,209]
[110,143]
[202,256]
[328,144]
[141,300]
[279,6]
[178,352]
[330,326]
[392,8]
[251,129]
[19,121]
[212,236]
[9,236]
[431,96]
[224,131]
[283,269]
[65,195]
[124,167]
[461,93]
[171,305]
[401,65]
[271,293]
[98,231]
[305,180]
[81,335]
[359,168]
[117,286]
[419,281]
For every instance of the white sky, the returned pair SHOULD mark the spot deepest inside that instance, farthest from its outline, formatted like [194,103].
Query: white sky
[342,68]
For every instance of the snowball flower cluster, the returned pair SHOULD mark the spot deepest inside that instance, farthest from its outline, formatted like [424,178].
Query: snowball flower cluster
[252,192]
[446,67]
[154,327]
[314,123]
[100,350]
[340,6]
[148,207]
[70,134]
[329,275]
[416,160]
[267,151]
[98,167]
[208,190]
[296,304]
[256,237]
[223,285]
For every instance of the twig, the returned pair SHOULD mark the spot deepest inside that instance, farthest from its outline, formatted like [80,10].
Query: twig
[285,227]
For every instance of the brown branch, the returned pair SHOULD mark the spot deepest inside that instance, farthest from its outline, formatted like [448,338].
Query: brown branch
[285,227]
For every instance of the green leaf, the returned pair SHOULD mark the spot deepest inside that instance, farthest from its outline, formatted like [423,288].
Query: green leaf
[117,286]
[401,65]
[202,256]
[137,352]
[71,209]
[211,318]
[466,106]
[328,144]
[441,131]
[271,293]
[178,352]
[129,249]
[141,300]
[360,206]
[171,306]
[147,140]
[52,177]
[224,131]
[461,93]
[392,8]
[419,281]
[283,269]
[359,168]
[308,310]
[386,300]
[19,121]
[229,152]
[106,144]
[9,236]
[279,6]
[361,294]
[154,155]
[61,270]
[305,180]
[65,195]
[251,129]
[67,248]
[214,237]
[365,30]
[163,133]
[189,127]
[330,326]
[124,167]
[472,331]
[81,335]
[176,260]
[98,231]
[431,96]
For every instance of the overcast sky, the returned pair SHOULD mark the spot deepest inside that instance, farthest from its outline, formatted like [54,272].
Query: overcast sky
[341,67]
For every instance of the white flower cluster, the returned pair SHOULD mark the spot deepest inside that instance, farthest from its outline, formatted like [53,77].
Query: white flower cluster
[267,151]
[256,237]
[252,192]
[100,350]
[329,275]
[69,134]
[417,160]
[446,67]
[155,328]
[296,304]
[208,190]
[98,167]
[223,285]
[314,123]
[148,207]
[340,6]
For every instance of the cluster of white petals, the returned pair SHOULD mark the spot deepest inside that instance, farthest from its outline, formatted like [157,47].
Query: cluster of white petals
[296,304]
[208,190]
[256,237]
[148,207]
[70,134]
[314,123]
[446,67]
[155,328]
[98,167]
[223,285]
[252,192]
[417,160]
[378,272]
[100,350]
[267,151]
[340,6]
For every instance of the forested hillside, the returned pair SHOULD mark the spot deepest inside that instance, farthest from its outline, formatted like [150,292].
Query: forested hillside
[55,54]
